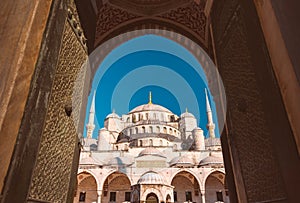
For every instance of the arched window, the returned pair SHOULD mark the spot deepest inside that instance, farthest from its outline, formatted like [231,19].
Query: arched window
[147,116]
[141,143]
[82,196]
[154,116]
[175,146]
[171,131]
[151,142]
[151,129]
[165,130]
[143,129]
[157,129]
[131,131]
[135,118]
[136,130]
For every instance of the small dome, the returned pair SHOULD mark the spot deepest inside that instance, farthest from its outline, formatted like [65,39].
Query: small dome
[151,178]
[113,115]
[150,107]
[187,115]
[182,161]
[211,160]
[120,161]
[151,151]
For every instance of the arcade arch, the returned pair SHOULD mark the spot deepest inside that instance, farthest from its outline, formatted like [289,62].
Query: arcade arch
[86,189]
[186,187]
[116,188]
[152,198]
[215,188]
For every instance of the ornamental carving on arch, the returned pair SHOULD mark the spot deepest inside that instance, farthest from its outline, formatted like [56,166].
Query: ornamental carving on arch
[109,17]
[190,16]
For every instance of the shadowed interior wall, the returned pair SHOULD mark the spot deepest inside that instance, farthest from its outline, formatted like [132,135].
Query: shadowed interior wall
[259,134]
[46,154]
[22,25]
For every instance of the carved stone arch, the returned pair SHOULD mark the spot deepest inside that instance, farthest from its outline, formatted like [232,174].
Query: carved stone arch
[215,187]
[87,185]
[153,23]
[110,173]
[152,190]
[92,174]
[187,183]
[117,184]
[168,198]
[213,173]
[187,171]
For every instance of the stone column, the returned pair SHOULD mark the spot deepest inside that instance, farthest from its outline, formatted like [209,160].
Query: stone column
[203,196]
[99,192]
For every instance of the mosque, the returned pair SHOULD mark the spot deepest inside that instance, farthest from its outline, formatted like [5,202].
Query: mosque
[151,155]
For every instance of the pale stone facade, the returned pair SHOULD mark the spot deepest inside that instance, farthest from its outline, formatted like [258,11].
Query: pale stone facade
[151,155]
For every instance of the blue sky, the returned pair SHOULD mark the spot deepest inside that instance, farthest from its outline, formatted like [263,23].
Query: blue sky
[150,63]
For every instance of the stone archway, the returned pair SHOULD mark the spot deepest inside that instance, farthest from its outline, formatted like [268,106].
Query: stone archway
[35,116]
[116,188]
[215,188]
[152,198]
[186,188]
[168,199]
[86,189]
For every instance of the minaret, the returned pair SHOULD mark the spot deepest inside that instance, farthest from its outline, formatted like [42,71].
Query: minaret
[91,126]
[150,98]
[210,124]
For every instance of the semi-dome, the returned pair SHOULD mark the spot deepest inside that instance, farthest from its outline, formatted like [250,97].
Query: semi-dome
[151,178]
[182,161]
[151,151]
[150,107]
[211,160]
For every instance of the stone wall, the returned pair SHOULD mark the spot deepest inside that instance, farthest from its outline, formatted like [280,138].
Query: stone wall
[53,172]
[258,128]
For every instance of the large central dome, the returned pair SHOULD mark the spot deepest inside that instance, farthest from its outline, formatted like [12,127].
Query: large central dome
[150,107]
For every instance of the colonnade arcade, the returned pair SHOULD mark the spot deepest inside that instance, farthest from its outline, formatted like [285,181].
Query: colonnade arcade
[117,187]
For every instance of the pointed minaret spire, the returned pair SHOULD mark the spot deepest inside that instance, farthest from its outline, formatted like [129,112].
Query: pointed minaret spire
[150,98]
[210,124]
[91,126]
[207,102]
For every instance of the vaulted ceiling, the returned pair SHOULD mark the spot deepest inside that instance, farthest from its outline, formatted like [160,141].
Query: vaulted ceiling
[102,20]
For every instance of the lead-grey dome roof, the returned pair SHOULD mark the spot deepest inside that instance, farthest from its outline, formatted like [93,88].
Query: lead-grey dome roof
[150,107]
[151,151]
[151,178]
[211,160]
